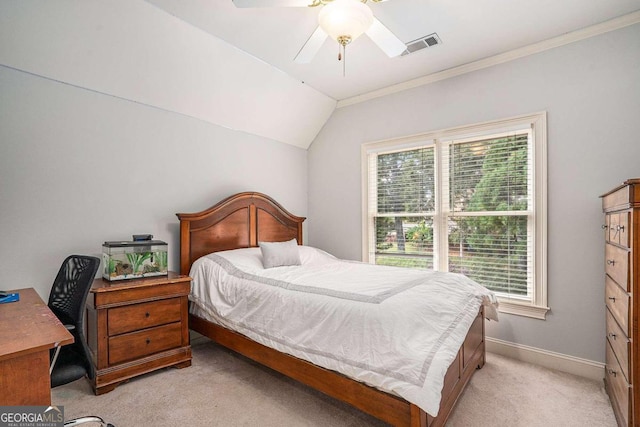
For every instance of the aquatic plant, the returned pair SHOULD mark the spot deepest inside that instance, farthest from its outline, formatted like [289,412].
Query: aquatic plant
[136,259]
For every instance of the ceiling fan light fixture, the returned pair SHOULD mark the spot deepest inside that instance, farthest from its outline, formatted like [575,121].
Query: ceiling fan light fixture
[345,20]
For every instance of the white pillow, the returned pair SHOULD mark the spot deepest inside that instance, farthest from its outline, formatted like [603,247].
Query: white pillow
[278,254]
[246,259]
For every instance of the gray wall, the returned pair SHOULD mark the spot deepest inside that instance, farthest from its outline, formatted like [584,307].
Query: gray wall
[78,168]
[591,92]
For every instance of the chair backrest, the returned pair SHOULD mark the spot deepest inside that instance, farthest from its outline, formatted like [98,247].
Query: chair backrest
[71,287]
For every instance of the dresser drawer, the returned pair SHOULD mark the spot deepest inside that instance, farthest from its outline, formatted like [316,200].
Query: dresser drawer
[617,265]
[619,343]
[617,301]
[135,345]
[618,387]
[617,228]
[619,198]
[141,316]
[623,227]
[612,226]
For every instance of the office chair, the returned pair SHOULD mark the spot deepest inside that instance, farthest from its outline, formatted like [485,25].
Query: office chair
[67,301]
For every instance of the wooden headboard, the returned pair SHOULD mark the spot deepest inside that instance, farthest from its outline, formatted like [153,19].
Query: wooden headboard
[239,221]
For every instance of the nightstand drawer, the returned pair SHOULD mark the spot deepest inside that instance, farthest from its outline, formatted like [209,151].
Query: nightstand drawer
[141,316]
[143,343]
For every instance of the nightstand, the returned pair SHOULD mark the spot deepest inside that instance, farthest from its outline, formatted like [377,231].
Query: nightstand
[137,326]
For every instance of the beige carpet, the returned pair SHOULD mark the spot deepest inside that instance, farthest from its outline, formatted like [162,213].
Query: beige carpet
[224,389]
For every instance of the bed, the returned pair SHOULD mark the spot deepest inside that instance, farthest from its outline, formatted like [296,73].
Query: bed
[242,221]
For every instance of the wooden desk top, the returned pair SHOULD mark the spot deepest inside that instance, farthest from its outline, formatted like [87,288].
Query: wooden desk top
[27,326]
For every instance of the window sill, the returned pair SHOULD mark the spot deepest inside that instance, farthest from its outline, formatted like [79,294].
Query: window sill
[522,309]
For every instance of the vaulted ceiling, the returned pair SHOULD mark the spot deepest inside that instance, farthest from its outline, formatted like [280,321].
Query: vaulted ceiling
[234,67]
[470,30]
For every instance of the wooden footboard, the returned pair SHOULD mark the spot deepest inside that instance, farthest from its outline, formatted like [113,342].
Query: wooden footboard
[471,356]
[384,406]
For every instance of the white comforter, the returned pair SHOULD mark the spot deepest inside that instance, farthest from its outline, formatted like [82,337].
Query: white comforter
[393,328]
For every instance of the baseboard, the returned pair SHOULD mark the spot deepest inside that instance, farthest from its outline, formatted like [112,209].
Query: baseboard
[548,359]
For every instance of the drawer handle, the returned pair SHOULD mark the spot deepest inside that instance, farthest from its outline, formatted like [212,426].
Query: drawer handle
[611,262]
[604,226]
[617,229]
[147,314]
[613,299]
[148,341]
[612,335]
[612,372]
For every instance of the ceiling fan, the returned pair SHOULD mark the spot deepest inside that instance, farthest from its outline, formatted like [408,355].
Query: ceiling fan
[342,20]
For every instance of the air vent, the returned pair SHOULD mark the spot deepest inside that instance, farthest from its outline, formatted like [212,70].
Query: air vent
[421,43]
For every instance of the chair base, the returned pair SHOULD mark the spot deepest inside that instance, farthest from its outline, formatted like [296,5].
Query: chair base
[83,420]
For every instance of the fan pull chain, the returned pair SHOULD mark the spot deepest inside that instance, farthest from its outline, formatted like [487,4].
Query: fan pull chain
[343,41]
[342,54]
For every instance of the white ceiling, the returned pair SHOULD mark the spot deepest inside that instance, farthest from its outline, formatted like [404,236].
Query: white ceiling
[233,67]
[469,29]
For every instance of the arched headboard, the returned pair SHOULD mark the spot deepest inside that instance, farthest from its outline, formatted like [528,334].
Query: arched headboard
[239,221]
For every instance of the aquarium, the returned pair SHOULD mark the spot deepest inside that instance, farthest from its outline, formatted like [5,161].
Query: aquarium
[134,259]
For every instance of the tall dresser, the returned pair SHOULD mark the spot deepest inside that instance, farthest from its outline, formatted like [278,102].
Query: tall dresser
[622,263]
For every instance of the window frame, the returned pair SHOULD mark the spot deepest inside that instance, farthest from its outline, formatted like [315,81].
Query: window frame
[537,123]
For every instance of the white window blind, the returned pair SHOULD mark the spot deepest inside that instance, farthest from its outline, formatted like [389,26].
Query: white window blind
[467,200]
[405,193]
[488,212]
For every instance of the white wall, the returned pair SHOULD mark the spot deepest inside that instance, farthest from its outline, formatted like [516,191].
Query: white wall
[591,91]
[78,168]
[134,50]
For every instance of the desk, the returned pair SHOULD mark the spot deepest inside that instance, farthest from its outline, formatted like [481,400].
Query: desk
[28,330]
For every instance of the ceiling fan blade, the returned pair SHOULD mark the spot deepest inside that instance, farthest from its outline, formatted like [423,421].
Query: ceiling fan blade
[271,3]
[385,39]
[311,47]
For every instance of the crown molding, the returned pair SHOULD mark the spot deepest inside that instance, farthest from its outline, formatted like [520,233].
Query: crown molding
[574,36]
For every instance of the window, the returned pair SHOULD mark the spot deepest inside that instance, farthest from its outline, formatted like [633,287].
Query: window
[469,200]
